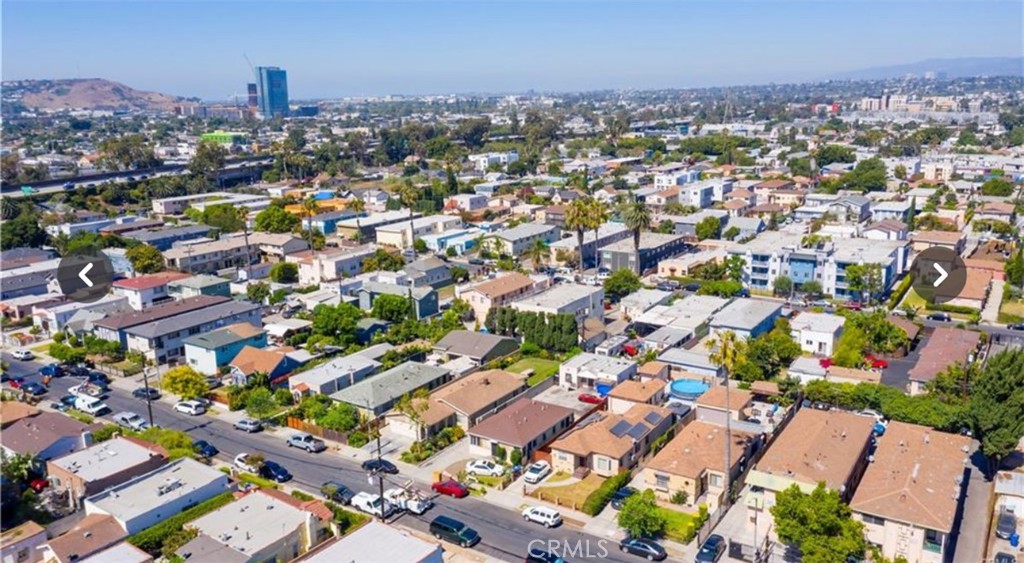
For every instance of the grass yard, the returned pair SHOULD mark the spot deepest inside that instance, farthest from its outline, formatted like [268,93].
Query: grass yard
[1011,311]
[678,524]
[912,299]
[542,369]
[570,495]
[42,349]
[446,292]
[558,477]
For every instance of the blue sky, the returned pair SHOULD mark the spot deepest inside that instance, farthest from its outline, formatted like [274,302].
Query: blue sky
[333,49]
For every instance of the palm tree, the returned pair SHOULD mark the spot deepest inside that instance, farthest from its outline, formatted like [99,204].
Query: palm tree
[356,205]
[577,218]
[727,352]
[637,219]
[538,253]
[597,214]
[408,195]
[243,216]
[310,207]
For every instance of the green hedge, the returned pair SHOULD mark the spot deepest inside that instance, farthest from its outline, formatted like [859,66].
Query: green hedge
[901,291]
[257,480]
[951,308]
[151,540]
[597,500]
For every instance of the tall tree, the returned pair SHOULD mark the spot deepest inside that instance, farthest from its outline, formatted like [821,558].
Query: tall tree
[538,253]
[819,524]
[310,207]
[637,219]
[145,259]
[727,352]
[576,219]
[409,195]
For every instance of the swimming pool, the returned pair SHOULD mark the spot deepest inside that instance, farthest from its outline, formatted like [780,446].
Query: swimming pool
[687,389]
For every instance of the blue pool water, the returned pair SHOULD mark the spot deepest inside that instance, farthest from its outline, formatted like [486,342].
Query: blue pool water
[687,389]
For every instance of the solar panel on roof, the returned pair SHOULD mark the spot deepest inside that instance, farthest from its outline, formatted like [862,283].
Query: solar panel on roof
[653,418]
[638,431]
[620,428]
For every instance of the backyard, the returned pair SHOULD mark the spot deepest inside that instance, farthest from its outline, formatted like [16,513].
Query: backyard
[542,369]
[678,524]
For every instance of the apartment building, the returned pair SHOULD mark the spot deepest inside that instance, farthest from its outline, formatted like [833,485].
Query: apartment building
[518,239]
[499,292]
[331,264]
[209,257]
[147,290]
[162,341]
[654,247]
[484,161]
[606,234]
[113,327]
[398,234]
[581,301]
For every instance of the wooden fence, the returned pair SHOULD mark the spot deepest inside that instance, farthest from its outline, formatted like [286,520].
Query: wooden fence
[318,431]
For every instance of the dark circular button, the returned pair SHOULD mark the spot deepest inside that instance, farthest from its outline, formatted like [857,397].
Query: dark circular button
[85,275]
[939,275]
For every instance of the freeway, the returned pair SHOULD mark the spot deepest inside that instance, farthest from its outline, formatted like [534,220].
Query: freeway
[93,180]
[504,534]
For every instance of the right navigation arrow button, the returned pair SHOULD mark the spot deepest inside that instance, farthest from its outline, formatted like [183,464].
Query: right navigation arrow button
[942,275]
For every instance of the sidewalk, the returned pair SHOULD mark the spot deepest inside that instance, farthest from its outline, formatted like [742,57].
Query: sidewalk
[990,313]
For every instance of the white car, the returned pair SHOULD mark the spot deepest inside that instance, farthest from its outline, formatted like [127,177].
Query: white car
[130,420]
[192,408]
[549,517]
[22,354]
[242,462]
[484,467]
[537,472]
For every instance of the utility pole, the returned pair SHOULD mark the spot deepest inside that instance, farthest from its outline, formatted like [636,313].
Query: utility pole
[149,399]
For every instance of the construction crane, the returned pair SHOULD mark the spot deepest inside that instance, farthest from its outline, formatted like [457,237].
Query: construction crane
[251,68]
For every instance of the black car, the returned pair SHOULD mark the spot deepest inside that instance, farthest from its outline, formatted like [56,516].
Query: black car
[454,531]
[712,549]
[644,548]
[1006,525]
[380,465]
[540,556]
[34,389]
[337,492]
[692,287]
[274,471]
[146,393]
[204,449]
[99,377]
[1017,326]
[943,317]
[1003,557]
[621,495]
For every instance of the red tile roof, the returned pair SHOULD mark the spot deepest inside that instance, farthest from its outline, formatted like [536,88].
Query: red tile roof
[150,281]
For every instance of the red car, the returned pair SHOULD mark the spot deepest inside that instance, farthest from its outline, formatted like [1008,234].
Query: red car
[16,382]
[825,362]
[876,363]
[853,306]
[38,485]
[590,398]
[451,488]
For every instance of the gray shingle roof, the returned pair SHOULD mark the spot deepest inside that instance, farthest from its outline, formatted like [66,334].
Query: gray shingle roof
[195,318]
[390,385]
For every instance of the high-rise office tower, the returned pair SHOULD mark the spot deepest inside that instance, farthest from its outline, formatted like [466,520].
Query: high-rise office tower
[254,96]
[272,85]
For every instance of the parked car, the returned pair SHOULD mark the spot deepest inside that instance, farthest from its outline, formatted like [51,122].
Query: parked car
[146,394]
[38,484]
[248,425]
[712,549]
[451,488]
[548,517]
[537,555]
[537,472]
[275,472]
[34,389]
[307,442]
[454,531]
[691,287]
[99,378]
[52,370]
[16,382]
[1003,557]
[621,495]
[23,354]
[130,420]
[484,467]
[91,405]
[204,449]
[941,317]
[876,362]
[590,398]
[872,413]
[88,390]
[644,548]
[409,501]
[243,462]
[1015,326]
[191,408]
[375,465]
[1006,524]
[337,492]
[67,401]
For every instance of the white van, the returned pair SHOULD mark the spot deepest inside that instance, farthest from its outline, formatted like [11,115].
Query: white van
[90,405]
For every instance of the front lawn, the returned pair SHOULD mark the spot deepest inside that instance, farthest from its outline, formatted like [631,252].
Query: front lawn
[1011,310]
[542,369]
[572,495]
[679,525]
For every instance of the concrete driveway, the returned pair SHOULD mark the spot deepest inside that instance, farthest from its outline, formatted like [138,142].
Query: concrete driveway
[969,543]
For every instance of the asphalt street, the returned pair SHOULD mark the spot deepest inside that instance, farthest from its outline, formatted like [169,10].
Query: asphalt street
[504,534]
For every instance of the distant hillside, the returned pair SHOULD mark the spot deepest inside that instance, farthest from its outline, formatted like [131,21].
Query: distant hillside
[89,93]
[953,68]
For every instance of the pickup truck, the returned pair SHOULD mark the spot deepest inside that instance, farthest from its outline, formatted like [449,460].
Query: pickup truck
[402,499]
[87,390]
[130,420]
[307,442]
[371,504]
